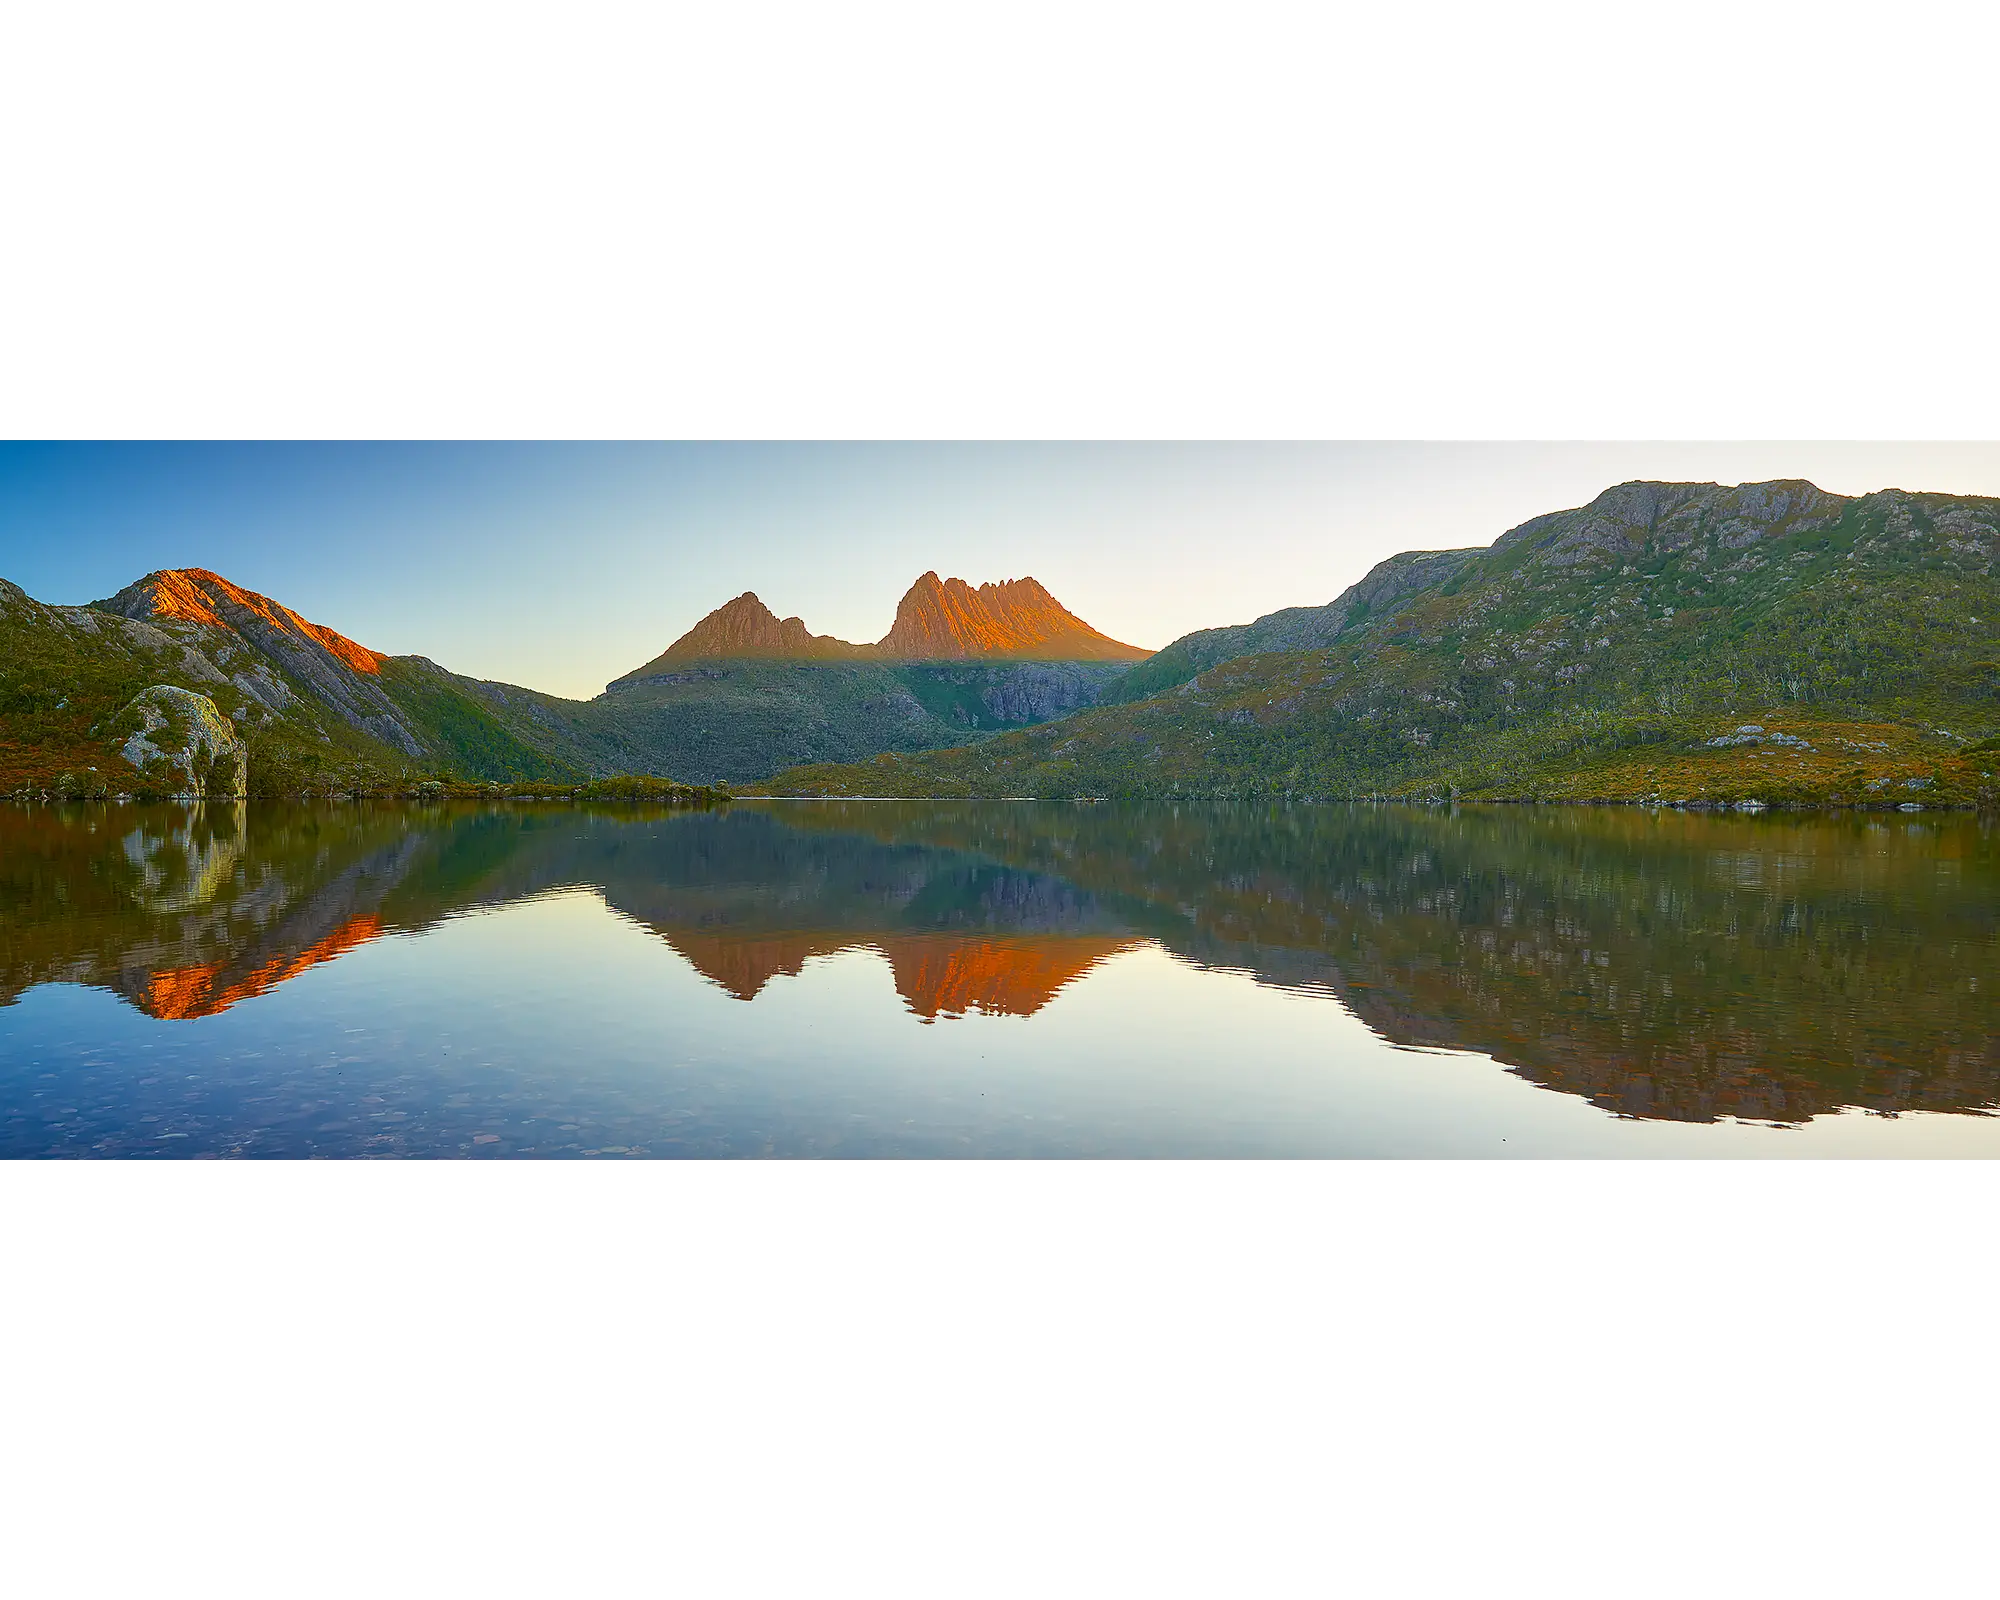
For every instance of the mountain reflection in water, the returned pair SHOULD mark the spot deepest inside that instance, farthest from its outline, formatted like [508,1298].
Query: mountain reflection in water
[1661,966]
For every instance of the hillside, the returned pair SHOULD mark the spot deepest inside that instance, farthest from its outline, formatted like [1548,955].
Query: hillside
[1686,642]
[1295,628]
[739,721]
[316,710]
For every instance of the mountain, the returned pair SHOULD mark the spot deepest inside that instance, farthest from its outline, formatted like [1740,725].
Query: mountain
[1688,642]
[743,694]
[286,652]
[318,712]
[939,619]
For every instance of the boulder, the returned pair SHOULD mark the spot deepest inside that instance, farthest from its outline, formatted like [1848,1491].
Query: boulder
[184,739]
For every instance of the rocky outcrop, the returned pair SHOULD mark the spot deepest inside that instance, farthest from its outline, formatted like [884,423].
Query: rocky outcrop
[1037,691]
[184,741]
[1628,517]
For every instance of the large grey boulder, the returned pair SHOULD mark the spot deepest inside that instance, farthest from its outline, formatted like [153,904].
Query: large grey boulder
[184,740]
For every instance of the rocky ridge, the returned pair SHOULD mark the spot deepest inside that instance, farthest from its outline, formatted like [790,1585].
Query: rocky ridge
[943,619]
[938,619]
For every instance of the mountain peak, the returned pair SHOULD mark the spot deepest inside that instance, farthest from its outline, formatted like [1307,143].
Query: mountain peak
[745,628]
[948,619]
[195,594]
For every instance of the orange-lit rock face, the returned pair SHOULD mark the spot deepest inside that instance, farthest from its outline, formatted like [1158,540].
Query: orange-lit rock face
[193,594]
[748,627]
[946,618]
[940,619]
[937,975]
[183,993]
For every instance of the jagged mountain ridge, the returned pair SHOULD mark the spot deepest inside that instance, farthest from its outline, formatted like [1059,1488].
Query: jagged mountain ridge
[938,619]
[948,619]
[1763,641]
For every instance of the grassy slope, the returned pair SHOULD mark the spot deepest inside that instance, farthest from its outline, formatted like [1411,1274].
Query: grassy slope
[1587,658]
[476,741]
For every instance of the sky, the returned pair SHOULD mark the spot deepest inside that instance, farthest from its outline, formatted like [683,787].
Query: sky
[561,566]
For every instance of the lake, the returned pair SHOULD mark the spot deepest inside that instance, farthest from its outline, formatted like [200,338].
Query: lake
[950,979]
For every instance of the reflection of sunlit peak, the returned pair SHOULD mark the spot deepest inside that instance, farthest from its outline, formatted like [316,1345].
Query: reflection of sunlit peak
[938,975]
[182,991]
[181,994]
[740,965]
[949,976]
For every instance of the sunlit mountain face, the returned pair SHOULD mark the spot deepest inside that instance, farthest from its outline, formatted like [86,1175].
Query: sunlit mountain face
[1659,966]
[938,619]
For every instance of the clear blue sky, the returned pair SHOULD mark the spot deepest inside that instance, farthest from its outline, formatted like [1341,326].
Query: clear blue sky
[561,566]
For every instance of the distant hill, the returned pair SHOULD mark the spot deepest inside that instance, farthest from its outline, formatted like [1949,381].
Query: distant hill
[1763,642]
[938,619]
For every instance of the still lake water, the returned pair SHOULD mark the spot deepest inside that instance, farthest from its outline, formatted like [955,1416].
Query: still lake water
[812,978]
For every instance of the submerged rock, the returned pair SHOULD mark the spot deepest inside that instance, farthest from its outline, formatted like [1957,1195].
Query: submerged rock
[184,735]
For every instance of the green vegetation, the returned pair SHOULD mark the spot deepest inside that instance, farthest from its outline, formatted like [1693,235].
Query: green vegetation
[443,714]
[740,721]
[1610,653]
